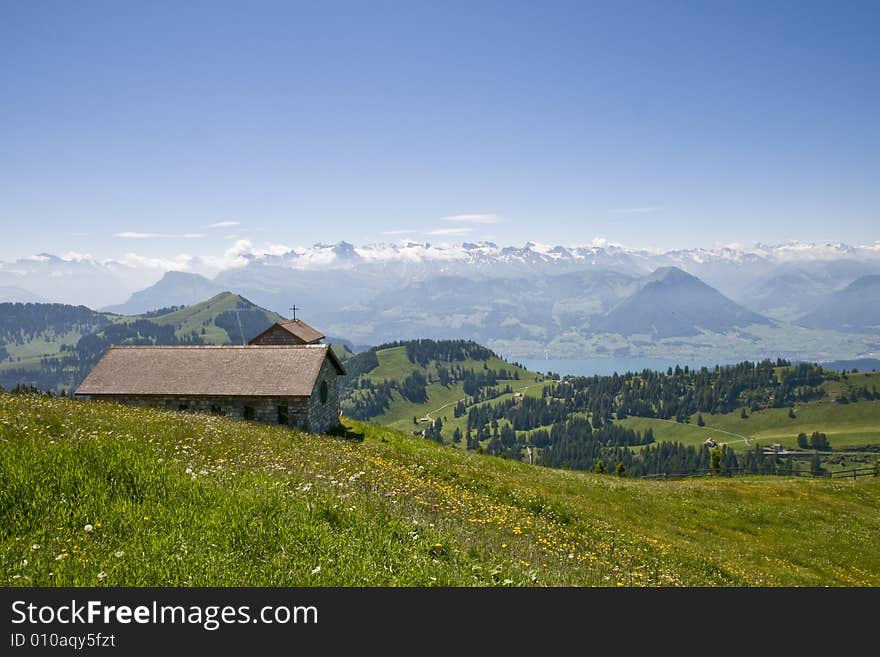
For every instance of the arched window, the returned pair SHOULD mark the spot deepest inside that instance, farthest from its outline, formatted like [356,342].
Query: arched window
[324,392]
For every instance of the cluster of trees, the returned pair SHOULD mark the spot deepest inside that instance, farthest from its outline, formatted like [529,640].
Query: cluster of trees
[681,392]
[359,364]
[425,351]
[817,440]
[434,431]
[364,399]
[475,381]
[524,414]
[242,325]
[414,387]
[23,322]
[672,459]
[158,312]
[67,370]
[855,393]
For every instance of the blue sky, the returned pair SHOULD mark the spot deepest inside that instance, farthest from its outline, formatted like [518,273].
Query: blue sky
[665,124]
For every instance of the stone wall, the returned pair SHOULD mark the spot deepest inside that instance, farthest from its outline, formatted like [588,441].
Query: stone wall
[276,335]
[265,409]
[324,416]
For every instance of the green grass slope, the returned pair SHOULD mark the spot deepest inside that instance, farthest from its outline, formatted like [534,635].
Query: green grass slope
[847,426]
[202,315]
[93,494]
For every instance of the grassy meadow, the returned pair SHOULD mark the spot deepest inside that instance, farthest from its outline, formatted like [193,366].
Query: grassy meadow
[97,494]
[847,426]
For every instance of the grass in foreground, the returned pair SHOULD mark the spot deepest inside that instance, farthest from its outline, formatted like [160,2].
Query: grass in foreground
[96,494]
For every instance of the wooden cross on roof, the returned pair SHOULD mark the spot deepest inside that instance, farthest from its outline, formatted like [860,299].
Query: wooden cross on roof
[294,308]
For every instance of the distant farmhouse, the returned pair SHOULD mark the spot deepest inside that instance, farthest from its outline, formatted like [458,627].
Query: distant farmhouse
[283,376]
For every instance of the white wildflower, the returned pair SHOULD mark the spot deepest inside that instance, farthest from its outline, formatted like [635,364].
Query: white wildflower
[316,570]
[118,554]
[88,528]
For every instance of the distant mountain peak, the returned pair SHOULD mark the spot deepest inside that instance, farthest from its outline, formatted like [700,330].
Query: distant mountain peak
[870,281]
[672,274]
[673,303]
[855,308]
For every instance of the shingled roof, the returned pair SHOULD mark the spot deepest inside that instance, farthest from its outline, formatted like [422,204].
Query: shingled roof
[252,371]
[298,328]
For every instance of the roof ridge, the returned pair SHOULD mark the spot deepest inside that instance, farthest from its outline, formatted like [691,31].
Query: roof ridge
[219,346]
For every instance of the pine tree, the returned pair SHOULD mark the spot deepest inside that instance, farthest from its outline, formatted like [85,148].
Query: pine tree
[715,462]
[819,441]
[620,470]
[599,468]
[700,421]
[791,413]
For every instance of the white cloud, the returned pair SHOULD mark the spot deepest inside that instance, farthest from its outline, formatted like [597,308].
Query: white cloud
[224,224]
[643,210]
[238,255]
[474,218]
[181,262]
[405,231]
[450,231]
[276,249]
[144,236]
[73,256]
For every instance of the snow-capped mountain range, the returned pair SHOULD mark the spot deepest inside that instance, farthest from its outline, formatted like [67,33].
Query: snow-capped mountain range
[735,270]
[573,300]
[82,279]
[599,254]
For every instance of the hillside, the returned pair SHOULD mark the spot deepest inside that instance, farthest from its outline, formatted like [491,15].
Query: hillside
[185,500]
[784,296]
[54,346]
[426,379]
[32,333]
[855,308]
[223,319]
[419,388]
[673,303]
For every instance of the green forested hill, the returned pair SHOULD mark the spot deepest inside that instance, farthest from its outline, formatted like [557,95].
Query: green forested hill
[426,380]
[95,494]
[223,319]
[650,422]
[54,346]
